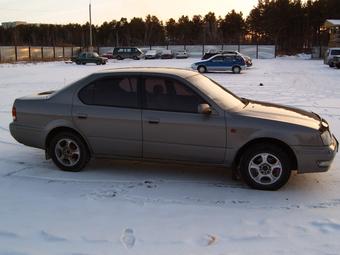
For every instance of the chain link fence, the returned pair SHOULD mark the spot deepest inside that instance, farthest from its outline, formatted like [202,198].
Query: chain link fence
[37,53]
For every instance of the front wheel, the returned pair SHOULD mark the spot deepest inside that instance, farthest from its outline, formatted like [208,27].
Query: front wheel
[202,69]
[69,152]
[265,167]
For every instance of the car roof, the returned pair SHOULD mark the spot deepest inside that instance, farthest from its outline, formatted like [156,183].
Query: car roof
[184,73]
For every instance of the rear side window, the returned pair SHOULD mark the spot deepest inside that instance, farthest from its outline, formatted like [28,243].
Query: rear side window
[115,92]
[169,95]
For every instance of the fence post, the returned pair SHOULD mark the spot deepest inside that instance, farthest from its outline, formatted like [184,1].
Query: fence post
[203,50]
[54,52]
[257,51]
[63,52]
[42,53]
[72,51]
[239,48]
[29,53]
[16,53]
[275,51]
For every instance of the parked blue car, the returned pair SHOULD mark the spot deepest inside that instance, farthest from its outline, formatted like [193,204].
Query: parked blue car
[221,62]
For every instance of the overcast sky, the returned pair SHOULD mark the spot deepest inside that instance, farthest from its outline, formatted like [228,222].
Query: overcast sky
[76,11]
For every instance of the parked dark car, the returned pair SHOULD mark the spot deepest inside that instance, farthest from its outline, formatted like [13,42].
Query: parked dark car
[167,54]
[165,114]
[221,62]
[89,57]
[247,59]
[121,53]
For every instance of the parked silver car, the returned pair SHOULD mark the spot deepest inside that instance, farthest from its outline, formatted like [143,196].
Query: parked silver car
[172,114]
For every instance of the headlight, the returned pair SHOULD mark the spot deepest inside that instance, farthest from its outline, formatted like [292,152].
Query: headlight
[326,138]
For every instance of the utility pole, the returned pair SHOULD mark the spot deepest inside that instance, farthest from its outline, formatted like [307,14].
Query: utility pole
[91,46]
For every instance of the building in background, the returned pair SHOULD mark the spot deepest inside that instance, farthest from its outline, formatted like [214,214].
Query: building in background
[333,26]
[13,24]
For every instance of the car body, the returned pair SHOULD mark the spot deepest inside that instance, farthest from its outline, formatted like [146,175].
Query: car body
[121,53]
[167,54]
[211,53]
[221,62]
[152,54]
[130,114]
[107,55]
[182,54]
[329,56]
[89,57]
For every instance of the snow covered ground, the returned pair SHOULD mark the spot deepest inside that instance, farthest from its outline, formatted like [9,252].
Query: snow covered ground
[142,208]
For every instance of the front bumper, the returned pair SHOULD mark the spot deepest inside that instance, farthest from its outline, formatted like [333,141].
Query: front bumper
[316,159]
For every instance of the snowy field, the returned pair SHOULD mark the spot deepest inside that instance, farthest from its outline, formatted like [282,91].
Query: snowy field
[141,208]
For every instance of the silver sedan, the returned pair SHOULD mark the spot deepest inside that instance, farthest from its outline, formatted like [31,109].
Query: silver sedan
[178,115]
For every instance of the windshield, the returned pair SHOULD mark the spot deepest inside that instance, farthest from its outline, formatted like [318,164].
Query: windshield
[220,95]
[335,52]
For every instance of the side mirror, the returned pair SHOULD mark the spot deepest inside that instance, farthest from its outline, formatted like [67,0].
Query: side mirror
[204,109]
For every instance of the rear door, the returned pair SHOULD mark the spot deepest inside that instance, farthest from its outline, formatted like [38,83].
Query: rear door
[172,127]
[107,112]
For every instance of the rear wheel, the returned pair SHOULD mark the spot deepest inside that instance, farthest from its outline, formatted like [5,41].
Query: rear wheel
[69,152]
[78,62]
[202,69]
[331,64]
[265,167]
[236,69]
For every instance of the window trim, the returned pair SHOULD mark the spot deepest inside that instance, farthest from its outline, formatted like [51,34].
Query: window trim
[139,103]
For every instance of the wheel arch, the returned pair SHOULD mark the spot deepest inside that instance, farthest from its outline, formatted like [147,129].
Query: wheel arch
[277,142]
[60,129]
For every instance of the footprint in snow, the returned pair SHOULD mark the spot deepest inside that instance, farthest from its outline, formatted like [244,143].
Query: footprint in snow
[128,238]
[6,234]
[207,240]
[51,238]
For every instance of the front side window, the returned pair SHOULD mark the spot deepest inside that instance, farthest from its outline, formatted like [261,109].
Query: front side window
[115,92]
[169,95]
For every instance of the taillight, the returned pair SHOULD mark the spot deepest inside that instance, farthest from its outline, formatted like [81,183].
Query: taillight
[14,113]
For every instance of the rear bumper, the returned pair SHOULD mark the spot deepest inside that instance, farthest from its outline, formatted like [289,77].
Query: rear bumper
[29,136]
[315,159]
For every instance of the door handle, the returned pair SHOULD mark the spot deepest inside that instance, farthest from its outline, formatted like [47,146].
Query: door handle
[153,121]
[82,116]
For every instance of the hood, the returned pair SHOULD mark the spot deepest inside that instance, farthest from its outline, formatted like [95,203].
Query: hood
[283,114]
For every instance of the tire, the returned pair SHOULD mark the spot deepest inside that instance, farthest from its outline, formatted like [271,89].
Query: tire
[83,63]
[69,152]
[103,63]
[201,69]
[331,64]
[78,62]
[265,167]
[135,58]
[120,58]
[236,69]
[98,63]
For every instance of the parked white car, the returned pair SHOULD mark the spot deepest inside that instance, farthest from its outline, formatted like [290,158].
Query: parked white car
[152,54]
[329,56]
[182,54]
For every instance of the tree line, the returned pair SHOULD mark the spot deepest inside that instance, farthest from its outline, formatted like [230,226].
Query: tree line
[292,25]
